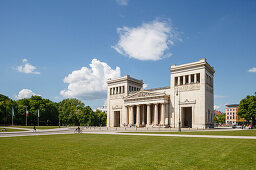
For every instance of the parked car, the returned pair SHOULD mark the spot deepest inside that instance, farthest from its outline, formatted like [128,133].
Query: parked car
[234,126]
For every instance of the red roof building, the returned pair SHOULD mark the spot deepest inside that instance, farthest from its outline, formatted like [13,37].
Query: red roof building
[217,112]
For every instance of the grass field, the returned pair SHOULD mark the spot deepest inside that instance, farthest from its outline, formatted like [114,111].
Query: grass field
[39,127]
[84,151]
[10,130]
[223,133]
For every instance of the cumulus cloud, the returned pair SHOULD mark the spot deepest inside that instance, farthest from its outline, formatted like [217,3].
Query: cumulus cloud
[252,69]
[150,41]
[27,68]
[25,93]
[90,83]
[216,107]
[122,2]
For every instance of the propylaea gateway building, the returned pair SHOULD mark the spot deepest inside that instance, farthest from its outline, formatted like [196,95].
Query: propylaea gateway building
[188,99]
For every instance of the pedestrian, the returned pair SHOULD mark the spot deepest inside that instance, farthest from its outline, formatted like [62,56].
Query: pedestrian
[34,128]
[78,129]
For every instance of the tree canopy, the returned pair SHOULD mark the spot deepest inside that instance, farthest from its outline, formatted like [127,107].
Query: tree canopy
[247,108]
[68,112]
[220,118]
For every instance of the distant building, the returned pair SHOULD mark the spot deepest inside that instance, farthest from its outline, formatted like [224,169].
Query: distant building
[231,115]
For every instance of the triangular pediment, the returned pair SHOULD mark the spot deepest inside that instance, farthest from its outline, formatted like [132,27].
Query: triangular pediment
[144,94]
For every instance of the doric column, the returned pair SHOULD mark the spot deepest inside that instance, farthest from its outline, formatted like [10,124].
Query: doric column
[189,79]
[127,115]
[162,113]
[143,115]
[178,80]
[138,115]
[148,115]
[184,79]
[167,113]
[156,114]
[195,78]
[131,119]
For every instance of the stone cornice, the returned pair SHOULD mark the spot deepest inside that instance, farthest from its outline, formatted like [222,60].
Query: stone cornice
[201,62]
[125,79]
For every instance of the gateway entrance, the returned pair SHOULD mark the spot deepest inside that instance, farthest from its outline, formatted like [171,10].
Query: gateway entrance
[116,118]
[186,117]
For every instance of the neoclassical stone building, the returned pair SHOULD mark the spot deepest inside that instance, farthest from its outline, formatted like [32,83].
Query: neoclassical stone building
[188,99]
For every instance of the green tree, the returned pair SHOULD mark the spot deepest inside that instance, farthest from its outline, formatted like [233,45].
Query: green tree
[6,105]
[247,108]
[220,118]
[101,117]
[71,110]
[48,111]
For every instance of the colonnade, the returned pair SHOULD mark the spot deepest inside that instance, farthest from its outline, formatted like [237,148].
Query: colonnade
[146,114]
[187,79]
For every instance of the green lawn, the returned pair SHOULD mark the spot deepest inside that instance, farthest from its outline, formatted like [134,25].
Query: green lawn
[10,130]
[39,127]
[223,133]
[87,151]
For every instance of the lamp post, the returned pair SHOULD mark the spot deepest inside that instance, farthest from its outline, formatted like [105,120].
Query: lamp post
[59,119]
[177,94]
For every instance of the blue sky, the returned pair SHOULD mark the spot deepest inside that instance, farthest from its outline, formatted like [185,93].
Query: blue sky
[45,44]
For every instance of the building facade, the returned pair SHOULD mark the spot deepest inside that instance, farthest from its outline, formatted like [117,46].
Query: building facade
[188,99]
[231,115]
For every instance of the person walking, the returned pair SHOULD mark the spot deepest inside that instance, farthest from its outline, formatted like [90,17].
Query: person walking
[78,129]
[34,129]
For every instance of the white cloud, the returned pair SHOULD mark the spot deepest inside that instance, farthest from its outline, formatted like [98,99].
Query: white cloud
[145,86]
[252,69]
[90,83]
[122,2]
[216,107]
[150,41]
[25,93]
[27,68]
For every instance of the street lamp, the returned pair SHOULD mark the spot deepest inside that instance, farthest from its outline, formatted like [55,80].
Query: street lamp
[177,94]
[59,119]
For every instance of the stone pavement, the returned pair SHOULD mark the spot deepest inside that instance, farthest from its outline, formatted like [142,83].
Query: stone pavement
[112,131]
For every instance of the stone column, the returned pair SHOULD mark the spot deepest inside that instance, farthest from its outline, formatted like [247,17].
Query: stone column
[162,114]
[189,79]
[156,114]
[195,78]
[127,115]
[167,113]
[184,79]
[131,119]
[138,115]
[143,115]
[178,80]
[148,115]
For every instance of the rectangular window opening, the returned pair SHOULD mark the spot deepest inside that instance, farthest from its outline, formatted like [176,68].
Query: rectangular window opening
[181,80]
[192,78]
[176,81]
[198,78]
[186,79]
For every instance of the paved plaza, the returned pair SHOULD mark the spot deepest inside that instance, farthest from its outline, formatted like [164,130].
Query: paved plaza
[118,131]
